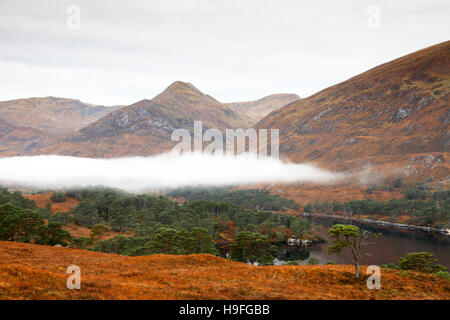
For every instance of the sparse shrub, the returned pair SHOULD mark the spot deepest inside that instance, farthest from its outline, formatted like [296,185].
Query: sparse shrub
[443,275]
[371,189]
[419,191]
[390,266]
[331,263]
[397,183]
[81,242]
[420,261]
[291,263]
[308,207]
[313,261]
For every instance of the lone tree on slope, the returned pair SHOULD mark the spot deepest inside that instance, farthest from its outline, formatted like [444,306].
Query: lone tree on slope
[351,242]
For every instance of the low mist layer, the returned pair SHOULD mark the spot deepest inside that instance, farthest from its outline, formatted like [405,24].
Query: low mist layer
[161,171]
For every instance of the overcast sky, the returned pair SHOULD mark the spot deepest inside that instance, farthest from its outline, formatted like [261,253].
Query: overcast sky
[240,50]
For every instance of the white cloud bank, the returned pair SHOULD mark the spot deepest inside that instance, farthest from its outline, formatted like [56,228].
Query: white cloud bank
[147,173]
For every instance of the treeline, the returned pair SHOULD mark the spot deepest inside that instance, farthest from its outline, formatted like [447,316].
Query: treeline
[15,198]
[161,225]
[423,207]
[250,198]
[25,225]
[144,214]
[162,241]
[158,224]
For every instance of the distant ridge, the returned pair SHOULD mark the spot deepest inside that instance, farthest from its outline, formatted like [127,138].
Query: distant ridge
[258,109]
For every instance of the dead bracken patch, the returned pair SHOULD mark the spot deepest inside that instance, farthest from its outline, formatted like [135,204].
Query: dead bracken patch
[30,271]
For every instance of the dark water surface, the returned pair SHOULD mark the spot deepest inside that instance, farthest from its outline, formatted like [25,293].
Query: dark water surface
[391,246]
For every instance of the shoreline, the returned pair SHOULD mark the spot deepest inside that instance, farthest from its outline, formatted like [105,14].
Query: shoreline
[392,225]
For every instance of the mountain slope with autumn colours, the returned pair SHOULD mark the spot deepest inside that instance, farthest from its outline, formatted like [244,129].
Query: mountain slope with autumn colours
[28,124]
[145,127]
[30,271]
[393,119]
[55,115]
[258,109]
[14,140]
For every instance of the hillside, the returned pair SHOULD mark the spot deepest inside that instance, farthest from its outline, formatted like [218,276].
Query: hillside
[15,140]
[145,127]
[55,115]
[391,120]
[39,272]
[29,124]
[258,109]
[187,102]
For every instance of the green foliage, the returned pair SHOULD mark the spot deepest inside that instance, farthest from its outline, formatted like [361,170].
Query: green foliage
[18,224]
[251,247]
[144,214]
[443,275]
[420,261]
[81,242]
[390,266]
[343,237]
[58,197]
[128,246]
[16,199]
[250,198]
[24,225]
[300,227]
[202,242]
[167,241]
[434,211]
[54,234]
[63,218]
[351,238]
[371,189]
[86,214]
[308,207]
[330,263]
[417,192]
[98,232]
[163,241]
[291,263]
[397,183]
[313,261]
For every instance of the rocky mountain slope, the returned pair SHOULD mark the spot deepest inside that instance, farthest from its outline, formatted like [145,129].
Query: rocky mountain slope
[30,271]
[145,128]
[14,140]
[54,115]
[393,119]
[258,109]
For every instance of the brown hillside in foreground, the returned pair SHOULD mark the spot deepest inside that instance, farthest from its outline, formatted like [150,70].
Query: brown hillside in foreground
[394,118]
[39,272]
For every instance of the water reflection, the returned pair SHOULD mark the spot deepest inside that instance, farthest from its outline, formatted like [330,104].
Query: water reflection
[388,248]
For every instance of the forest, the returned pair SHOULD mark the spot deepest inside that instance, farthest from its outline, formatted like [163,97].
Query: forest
[423,206]
[152,224]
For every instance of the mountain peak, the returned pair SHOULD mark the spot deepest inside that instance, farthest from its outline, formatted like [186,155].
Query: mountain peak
[178,87]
